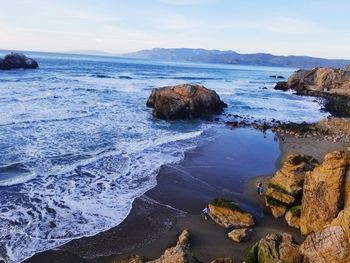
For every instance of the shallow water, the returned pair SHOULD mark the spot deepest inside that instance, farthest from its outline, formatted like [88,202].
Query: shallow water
[78,144]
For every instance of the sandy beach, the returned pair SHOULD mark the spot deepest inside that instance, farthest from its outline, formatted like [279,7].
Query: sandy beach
[227,166]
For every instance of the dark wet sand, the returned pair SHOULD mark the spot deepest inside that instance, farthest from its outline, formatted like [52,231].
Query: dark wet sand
[229,166]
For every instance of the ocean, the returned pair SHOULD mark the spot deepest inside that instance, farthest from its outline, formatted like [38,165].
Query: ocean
[78,144]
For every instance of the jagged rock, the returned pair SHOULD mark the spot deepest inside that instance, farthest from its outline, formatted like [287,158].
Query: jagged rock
[348,68]
[332,244]
[281,85]
[329,83]
[277,247]
[287,183]
[184,101]
[239,235]
[229,215]
[293,216]
[328,80]
[328,245]
[323,193]
[181,253]
[17,60]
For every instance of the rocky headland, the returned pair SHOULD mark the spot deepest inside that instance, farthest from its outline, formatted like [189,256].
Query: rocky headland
[329,83]
[16,61]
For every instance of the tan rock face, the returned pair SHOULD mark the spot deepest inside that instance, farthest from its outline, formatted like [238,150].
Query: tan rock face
[180,253]
[239,235]
[184,101]
[279,247]
[328,80]
[230,218]
[328,245]
[287,183]
[291,176]
[323,193]
[293,217]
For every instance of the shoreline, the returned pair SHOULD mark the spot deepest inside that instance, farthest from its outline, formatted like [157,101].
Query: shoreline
[157,217]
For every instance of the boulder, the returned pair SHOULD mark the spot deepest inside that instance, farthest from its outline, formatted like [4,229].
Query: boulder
[282,85]
[348,68]
[277,247]
[17,60]
[184,102]
[229,215]
[293,216]
[323,193]
[239,235]
[286,184]
[327,245]
[181,253]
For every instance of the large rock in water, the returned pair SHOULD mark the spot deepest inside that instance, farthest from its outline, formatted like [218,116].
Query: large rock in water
[323,193]
[275,248]
[229,214]
[184,101]
[287,183]
[17,60]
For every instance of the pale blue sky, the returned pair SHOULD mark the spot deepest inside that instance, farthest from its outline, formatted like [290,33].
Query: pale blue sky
[282,27]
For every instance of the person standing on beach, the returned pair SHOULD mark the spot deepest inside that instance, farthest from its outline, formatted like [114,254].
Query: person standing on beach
[259,189]
[206,212]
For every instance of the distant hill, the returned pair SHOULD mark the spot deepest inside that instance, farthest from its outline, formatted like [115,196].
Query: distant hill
[232,57]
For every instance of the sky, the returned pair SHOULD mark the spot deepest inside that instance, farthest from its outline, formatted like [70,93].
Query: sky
[318,28]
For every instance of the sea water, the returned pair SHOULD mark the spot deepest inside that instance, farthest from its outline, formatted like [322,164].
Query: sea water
[78,144]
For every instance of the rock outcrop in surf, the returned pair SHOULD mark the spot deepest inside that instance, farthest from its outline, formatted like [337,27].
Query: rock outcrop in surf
[184,102]
[17,60]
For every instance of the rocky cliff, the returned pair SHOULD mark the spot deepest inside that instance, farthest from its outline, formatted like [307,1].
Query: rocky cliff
[330,83]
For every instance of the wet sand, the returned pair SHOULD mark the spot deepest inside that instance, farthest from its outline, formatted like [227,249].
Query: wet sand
[229,166]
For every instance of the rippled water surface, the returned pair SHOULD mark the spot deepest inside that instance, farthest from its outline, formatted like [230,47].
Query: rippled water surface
[78,145]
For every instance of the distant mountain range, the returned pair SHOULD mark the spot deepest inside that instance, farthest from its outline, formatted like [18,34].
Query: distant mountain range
[232,57]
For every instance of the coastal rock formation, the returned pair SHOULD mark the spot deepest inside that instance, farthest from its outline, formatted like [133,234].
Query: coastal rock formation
[287,183]
[329,83]
[328,80]
[239,235]
[17,60]
[293,216]
[348,68]
[282,85]
[184,101]
[323,193]
[328,245]
[180,253]
[229,215]
[277,247]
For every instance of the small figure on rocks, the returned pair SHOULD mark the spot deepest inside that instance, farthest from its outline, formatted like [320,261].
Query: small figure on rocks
[259,188]
[206,212]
